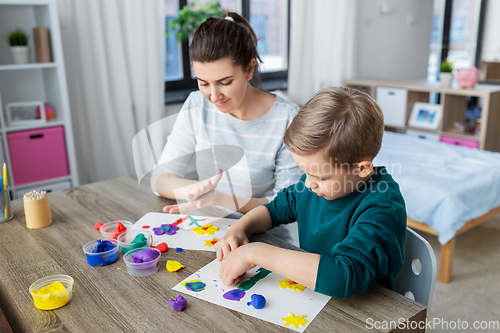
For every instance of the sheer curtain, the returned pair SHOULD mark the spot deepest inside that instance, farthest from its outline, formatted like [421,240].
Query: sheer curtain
[113,54]
[321,46]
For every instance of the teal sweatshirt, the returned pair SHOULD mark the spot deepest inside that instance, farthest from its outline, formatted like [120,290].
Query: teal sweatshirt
[360,236]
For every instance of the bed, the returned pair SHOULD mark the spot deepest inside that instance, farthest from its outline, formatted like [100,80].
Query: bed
[447,189]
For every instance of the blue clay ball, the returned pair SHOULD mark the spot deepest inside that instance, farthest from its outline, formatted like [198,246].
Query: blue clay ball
[258,301]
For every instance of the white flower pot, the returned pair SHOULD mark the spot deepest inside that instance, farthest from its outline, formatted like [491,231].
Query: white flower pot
[445,79]
[20,54]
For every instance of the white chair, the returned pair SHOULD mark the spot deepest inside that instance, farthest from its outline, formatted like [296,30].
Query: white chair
[417,277]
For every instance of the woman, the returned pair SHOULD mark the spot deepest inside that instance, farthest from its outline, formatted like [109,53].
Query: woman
[230,124]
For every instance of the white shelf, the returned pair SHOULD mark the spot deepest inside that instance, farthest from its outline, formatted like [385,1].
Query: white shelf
[35,82]
[34,126]
[27,66]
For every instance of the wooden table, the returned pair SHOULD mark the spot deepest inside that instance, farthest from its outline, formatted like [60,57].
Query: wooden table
[107,299]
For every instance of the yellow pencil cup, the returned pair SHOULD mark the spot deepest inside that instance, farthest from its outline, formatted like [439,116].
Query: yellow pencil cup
[37,213]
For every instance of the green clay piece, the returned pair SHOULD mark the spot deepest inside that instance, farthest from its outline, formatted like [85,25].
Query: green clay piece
[165,228]
[139,241]
[261,273]
[193,221]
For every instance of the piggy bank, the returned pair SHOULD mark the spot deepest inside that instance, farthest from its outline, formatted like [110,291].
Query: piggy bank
[467,77]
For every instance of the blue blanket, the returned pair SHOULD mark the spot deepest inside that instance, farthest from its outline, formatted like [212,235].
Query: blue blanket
[443,185]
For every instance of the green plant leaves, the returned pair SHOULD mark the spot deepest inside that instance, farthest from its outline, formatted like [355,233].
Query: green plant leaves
[190,18]
[17,37]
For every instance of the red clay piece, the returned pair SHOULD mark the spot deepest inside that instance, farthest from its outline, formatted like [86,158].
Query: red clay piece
[179,221]
[145,227]
[119,229]
[98,225]
[162,247]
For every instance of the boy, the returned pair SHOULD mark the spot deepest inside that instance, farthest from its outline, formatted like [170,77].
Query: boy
[351,215]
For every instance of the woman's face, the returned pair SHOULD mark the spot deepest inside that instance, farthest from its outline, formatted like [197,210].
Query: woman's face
[222,83]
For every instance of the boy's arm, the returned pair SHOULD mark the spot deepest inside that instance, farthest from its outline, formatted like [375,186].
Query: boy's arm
[256,221]
[301,267]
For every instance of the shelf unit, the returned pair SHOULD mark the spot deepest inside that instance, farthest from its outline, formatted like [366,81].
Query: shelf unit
[454,105]
[44,82]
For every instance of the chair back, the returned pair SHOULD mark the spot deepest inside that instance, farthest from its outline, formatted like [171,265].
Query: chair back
[417,277]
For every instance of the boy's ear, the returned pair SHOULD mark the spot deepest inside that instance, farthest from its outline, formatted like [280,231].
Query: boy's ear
[365,168]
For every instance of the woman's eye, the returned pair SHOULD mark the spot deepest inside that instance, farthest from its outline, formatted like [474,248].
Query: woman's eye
[226,83]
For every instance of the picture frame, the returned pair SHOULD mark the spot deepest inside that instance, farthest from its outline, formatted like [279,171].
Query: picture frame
[23,113]
[426,116]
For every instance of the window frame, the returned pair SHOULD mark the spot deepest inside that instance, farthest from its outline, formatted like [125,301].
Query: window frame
[178,90]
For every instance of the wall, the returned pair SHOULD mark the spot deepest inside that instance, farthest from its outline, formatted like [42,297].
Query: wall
[491,41]
[393,38]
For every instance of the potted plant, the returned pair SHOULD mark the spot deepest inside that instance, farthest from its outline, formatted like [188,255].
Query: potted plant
[190,18]
[18,42]
[445,75]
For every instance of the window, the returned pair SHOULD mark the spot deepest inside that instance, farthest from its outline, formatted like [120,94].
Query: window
[456,34]
[268,18]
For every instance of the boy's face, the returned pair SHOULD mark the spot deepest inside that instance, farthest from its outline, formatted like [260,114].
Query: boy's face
[329,181]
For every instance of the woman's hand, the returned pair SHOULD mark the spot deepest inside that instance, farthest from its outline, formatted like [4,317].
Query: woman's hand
[203,194]
[234,238]
[236,263]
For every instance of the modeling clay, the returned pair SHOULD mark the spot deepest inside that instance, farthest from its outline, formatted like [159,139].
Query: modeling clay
[194,285]
[97,226]
[182,219]
[257,301]
[211,242]
[139,241]
[103,246]
[179,249]
[51,302]
[144,256]
[234,295]
[162,247]
[261,273]
[174,266]
[193,221]
[120,228]
[206,229]
[166,229]
[287,283]
[145,227]
[295,320]
[178,304]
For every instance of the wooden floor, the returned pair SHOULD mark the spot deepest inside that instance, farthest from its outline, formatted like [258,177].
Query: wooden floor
[448,249]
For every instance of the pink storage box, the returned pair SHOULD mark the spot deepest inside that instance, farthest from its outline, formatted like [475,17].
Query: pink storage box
[460,142]
[38,154]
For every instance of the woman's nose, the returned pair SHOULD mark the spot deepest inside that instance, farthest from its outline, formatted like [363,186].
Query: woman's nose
[215,95]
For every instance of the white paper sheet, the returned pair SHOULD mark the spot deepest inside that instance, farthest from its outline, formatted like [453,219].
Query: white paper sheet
[280,302]
[185,237]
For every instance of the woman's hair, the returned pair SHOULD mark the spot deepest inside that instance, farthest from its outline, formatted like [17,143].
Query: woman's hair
[346,123]
[228,37]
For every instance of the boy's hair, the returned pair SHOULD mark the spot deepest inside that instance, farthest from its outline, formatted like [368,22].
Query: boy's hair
[347,123]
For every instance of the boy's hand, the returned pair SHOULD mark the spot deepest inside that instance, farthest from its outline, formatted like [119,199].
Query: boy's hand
[233,239]
[236,263]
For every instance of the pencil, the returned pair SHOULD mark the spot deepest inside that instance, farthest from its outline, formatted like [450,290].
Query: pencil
[4,176]
[5,194]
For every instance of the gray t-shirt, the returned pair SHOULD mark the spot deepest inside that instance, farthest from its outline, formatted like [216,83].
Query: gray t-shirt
[251,153]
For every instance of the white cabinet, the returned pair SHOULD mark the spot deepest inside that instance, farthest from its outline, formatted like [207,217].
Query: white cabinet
[34,82]
[392,101]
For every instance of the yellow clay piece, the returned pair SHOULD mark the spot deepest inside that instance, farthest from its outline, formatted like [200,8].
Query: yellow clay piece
[287,283]
[295,320]
[207,229]
[44,301]
[174,266]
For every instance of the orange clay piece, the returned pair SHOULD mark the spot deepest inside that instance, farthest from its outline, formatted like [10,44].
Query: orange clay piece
[179,221]
[98,225]
[162,247]
[120,228]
